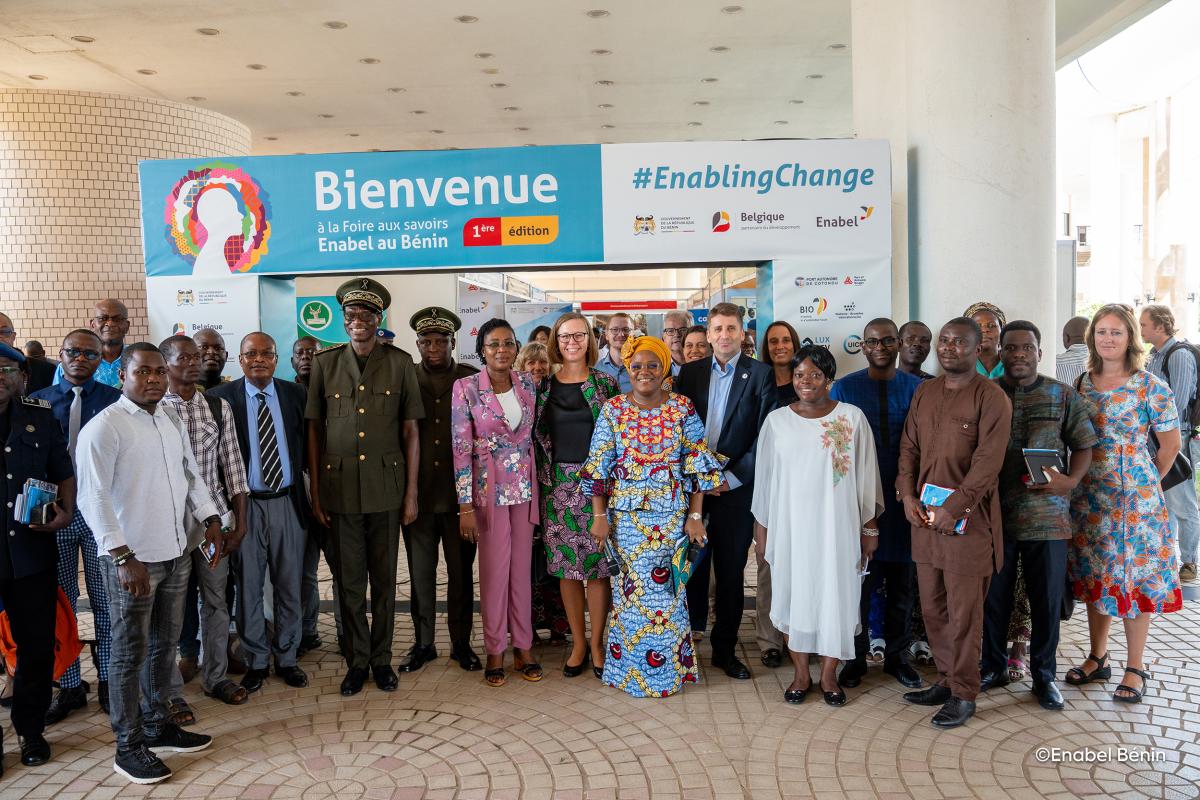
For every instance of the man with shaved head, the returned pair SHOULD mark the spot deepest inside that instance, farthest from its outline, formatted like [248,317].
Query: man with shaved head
[1073,362]
[40,374]
[110,321]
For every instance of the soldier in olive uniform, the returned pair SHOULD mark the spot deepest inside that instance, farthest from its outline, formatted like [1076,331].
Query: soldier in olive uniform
[438,520]
[33,447]
[363,407]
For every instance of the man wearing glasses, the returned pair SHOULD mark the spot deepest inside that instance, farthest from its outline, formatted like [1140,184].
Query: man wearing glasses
[675,327]
[363,405]
[268,414]
[884,393]
[618,330]
[110,321]
[75,401]
[40,373]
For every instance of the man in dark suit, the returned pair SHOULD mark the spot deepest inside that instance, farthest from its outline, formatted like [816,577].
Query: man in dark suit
[733,395]
[269,416]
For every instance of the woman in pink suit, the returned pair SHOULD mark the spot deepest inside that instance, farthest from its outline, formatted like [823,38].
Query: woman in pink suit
[492,416]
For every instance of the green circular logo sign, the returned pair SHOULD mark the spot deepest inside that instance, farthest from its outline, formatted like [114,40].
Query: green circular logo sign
[316,315]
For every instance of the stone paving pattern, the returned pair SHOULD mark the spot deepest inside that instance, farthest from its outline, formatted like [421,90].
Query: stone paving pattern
[445,734]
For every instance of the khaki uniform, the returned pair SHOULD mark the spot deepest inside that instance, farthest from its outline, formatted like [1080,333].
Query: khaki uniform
[361,483]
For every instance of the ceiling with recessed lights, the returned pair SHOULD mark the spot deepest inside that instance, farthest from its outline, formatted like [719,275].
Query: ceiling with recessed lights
[310,76]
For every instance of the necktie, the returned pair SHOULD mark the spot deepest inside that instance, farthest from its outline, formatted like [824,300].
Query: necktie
[268,447]
[75,420]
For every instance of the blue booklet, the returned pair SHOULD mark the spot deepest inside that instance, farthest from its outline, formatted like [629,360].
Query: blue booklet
[934,496]
[33,503]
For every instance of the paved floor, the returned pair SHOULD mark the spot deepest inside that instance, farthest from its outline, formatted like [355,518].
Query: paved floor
[445,734]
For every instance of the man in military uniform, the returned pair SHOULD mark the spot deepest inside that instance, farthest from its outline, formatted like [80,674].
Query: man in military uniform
[363,407]
[34,447]
[438,518]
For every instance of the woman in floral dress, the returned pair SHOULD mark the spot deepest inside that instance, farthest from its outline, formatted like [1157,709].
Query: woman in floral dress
[1122,560]
[648,469]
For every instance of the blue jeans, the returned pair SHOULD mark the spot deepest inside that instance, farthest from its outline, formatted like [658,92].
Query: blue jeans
[145,631]
[1184,513]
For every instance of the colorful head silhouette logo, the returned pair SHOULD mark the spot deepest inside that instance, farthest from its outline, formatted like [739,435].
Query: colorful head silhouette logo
[217,220]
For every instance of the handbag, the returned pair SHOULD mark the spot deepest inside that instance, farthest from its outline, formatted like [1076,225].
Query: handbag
[1181,469]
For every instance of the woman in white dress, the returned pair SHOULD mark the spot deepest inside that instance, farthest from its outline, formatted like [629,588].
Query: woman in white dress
[816,498]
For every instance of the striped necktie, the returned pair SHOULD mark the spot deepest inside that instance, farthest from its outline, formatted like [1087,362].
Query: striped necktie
[268,448]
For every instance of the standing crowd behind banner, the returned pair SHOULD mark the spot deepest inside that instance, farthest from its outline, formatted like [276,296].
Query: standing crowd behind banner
[894,516]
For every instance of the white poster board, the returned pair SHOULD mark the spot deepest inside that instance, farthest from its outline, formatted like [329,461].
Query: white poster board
[475,307]
[185,304]
[527,316]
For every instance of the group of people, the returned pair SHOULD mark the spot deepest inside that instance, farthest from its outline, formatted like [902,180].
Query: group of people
[610,486]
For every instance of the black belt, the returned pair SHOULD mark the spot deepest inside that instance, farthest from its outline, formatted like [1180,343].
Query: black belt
[269,495]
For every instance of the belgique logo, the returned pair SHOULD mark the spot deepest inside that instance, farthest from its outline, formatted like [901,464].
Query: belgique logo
[720,221]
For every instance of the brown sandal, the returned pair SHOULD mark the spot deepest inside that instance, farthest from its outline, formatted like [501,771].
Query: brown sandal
[531,672]
[230,693]
[494,677]
[180,713]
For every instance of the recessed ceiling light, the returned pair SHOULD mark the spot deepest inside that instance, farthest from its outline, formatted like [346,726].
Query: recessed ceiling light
[417,111]
[600,51]
[271,138]
[731,9]
[796,102]
[604,83]
[512,108]
[490,71]
[709,80]
[605,105]
[529,145]
[521,128]
[207,31]
[781,122]
[719,49]
[597,13]
[607,126]
[466,19]
[325,116]
[335,24]
[837,46]
[695,124]
[352,135]
[38,77]
[499,85]
[371,61]
[195,98]
[147,72]
[256,66]
[396,89]
[816,76]
[700,103]
[484,55]
[295,93]
[437,130]
[83,39]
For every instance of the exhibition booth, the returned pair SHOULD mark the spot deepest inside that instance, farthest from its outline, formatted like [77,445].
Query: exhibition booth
[260,243]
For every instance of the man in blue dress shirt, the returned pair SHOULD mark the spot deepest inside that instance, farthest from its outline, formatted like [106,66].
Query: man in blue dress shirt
[620,326]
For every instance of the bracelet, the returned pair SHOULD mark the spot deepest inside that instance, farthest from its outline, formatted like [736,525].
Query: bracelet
[468,511]
[121,559]
[870,532]
[600,515]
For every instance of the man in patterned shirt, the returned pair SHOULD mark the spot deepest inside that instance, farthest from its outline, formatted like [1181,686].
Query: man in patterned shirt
[210,428]
[1047,414]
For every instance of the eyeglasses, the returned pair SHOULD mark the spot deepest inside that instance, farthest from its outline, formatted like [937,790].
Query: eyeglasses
[8,332]
[104,319]
[9,370]
[675,331]
[578,338]
[360,316]
[73,353]
[507,344]
[254,355]
[887,341]
[625,331]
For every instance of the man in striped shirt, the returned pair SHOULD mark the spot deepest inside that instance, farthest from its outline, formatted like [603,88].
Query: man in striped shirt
[1073,363]
[214,443]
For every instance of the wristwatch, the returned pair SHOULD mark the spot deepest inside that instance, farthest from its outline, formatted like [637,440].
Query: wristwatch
[696,516]
[211,519]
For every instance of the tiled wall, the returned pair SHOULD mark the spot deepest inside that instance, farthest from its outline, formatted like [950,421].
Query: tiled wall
[69,226]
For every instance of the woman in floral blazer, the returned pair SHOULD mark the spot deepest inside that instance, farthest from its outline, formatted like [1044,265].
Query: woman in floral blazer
[492,416]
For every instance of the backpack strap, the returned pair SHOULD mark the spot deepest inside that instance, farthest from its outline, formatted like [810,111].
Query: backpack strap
[214,405]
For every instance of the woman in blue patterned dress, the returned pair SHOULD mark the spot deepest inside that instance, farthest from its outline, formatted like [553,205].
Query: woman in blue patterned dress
[1122,560]
[647,472]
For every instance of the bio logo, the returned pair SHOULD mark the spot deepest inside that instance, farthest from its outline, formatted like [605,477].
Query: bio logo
[316,315]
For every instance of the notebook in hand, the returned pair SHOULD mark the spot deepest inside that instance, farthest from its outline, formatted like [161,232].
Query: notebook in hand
[933,495]
[1038,459]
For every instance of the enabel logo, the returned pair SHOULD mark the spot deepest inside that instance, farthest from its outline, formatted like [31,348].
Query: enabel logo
[852,221]
[720,221]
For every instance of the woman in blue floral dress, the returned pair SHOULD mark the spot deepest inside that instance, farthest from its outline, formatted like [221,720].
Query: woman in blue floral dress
[648,469]
[1122,559]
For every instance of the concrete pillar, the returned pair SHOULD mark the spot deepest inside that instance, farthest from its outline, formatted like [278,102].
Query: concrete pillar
[964,90]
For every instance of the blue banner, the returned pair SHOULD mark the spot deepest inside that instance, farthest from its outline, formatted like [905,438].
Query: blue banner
[372,211]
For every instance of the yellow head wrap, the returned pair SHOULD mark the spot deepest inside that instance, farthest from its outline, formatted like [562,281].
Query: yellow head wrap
[655,345]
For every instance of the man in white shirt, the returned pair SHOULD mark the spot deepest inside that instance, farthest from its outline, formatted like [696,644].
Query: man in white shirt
[675,327]
[140,492]
[1073,361]
[618,330]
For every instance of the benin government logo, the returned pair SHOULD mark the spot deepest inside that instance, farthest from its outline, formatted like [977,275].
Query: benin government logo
[720,221]
[217,219]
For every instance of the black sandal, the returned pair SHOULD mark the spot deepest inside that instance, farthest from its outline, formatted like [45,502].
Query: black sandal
[1077,677]
[531,672]
[494,677]
[1131,695]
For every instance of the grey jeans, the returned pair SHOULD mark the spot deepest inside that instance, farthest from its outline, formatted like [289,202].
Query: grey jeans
[214,624]
[145,631]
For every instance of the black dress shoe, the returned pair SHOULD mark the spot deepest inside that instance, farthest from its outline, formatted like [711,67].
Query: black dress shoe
[307,645]
[772,658]
[292,676]
[904,673]
[35,750]
[385,678]
[252,681]
[1049,697]
[418,656]
[795,696]
[466,658]
[954,712]
[933,696]
[65,701]
[835,699]
[993,680]
[853,673]
[732,667]
[353,682]
[577,670]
